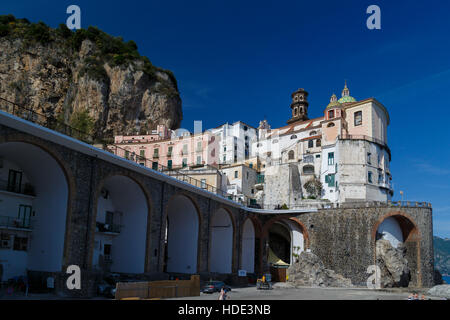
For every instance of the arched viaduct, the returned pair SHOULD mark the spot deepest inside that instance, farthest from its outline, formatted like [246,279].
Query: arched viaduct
[101,212]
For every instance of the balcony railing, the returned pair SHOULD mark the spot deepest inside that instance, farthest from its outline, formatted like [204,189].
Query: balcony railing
[24,188]
[105,227]
[14,222]
[52,123]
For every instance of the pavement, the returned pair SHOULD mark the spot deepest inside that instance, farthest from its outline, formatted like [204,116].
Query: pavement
[285,292]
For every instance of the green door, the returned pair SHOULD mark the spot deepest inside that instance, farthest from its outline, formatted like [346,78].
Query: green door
[24,216]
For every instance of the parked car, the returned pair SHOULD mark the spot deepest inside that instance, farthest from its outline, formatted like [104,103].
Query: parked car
[215,286]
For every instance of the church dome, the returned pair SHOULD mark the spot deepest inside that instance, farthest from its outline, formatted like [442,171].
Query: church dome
[346,97]
[334,103]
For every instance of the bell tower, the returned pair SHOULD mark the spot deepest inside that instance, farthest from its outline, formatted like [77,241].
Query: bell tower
[299,106]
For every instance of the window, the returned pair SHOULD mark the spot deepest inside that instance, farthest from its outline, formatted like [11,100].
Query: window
[155,153]
[312,133]
[184,162]
[317,155]
[380,178]
[199,146]
[318,143]
[142,153]
[169,153]
[199,159]
[331,114]
[236,174]
[293,137]
[358,118]
[308,169]
[251,165]
[169,164]
[155,165]
[370,177]
[203,183]
[275,141]
[245,128]
[311,144]
[185,149]
[368,157]
[247,175]
[330,180]
[291,155]
[20,243]
[224,158]
[330,125]
[330,158]
[295,111]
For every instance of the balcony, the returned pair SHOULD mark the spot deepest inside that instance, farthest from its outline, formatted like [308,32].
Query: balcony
[15,223]
[155,156]
[24,188]
[108,228]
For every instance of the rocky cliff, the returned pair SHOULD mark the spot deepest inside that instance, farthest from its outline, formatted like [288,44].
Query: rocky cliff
[87,78]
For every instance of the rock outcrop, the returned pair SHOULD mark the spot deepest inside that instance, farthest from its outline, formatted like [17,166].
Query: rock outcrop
[310,271]
[393,264]
[60,73]
[442,291]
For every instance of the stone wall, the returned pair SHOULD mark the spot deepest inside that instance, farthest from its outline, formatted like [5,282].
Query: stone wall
[344,238]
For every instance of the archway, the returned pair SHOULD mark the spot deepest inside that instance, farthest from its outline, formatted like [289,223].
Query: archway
[121,226]
[221,250]
[397,227]
[34,196]
[181,236]
[248,247]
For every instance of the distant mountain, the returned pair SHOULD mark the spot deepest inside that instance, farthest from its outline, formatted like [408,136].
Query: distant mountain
[442,255]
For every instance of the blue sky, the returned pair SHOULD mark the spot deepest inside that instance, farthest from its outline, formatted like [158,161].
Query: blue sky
[241,60]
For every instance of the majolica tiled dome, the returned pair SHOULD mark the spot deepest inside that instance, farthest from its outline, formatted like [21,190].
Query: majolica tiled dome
[346,97]
[334,103]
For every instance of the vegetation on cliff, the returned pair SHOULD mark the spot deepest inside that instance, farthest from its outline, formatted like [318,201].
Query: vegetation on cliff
[442,255]
[86,77]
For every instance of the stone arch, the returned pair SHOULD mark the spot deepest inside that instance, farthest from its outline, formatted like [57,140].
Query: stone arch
[221,253]
[248,245]
[411,239]
[54,181]
[301,225]
[194,240]
[136,195]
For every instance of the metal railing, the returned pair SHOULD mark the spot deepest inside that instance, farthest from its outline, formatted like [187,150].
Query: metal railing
[14,222]
[24,188]
[108,227]
[50,122]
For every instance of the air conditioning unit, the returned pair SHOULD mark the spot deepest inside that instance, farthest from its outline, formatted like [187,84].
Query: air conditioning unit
[6,244]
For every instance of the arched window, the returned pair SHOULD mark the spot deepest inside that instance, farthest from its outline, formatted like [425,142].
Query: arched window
[318,143]
[331,114]
[331,124]
[308,169]
[291,155]
[311,143]
[312,133]
[293,137]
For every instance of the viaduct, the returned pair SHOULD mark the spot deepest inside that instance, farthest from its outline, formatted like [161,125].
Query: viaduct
[172,227]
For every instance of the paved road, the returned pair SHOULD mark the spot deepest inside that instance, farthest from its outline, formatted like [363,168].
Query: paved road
[283,293]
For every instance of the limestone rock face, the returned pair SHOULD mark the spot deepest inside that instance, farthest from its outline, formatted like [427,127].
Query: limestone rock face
[393,264]
[55,80]
[310,271]
[442,291]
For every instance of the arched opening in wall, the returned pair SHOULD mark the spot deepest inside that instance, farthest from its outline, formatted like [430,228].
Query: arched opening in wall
[181,240]
[291,155]
[286,242]
[221,250]
[120,241]
[34,194]
[402,235]
[248,255]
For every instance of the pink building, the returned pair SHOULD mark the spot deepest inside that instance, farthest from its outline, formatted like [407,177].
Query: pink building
[163,148]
